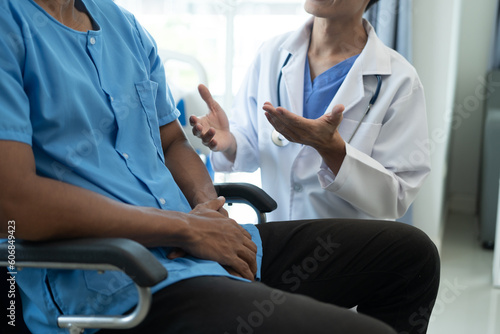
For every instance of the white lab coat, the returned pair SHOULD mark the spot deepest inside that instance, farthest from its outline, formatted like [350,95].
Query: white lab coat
[387,160]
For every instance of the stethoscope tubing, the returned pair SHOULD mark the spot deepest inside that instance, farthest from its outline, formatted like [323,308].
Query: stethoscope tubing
[279,78]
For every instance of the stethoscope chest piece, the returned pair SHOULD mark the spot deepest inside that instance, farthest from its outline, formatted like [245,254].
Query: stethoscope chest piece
[278,139]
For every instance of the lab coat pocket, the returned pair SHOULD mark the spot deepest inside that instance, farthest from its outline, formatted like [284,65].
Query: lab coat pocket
[364,137]
[147,91]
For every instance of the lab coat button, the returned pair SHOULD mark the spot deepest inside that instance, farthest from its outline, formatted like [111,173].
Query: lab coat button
[297,187]
[125,155]
[162,201]
[92,40]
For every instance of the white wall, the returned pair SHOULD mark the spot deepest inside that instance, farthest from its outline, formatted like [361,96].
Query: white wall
[435,49]
[476,33]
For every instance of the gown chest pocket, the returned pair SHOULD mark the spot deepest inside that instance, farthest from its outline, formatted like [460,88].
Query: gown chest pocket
[364,138]
[147,91]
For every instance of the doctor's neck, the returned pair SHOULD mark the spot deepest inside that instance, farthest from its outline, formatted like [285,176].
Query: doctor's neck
[337,38]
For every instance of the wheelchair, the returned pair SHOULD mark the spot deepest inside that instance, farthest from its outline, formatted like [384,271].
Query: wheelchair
[102,254]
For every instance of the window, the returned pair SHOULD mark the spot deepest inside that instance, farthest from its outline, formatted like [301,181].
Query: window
[224,35]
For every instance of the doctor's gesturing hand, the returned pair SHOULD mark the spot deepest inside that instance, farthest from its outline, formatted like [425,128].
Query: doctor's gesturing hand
[322,133]
[213,128]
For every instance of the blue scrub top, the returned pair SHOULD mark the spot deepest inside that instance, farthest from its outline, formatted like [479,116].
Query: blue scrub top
[90,104]
[318,94]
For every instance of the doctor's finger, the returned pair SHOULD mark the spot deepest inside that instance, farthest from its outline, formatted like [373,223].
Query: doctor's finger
[269,108]
[290,118]
[197,130]
[196,125]
[278,123]
[199,125]
[274,117]
[336,115]
[212,145]
[193,120]
[281,128]
[285,116]
[275,122]
[208,136]
[338,109]
[290,125]
[207,97]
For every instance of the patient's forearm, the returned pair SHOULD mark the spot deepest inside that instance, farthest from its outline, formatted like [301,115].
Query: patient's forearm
[47,209]
[190,173]
[186,166]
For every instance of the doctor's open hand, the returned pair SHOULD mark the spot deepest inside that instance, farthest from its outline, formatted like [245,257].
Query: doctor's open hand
[213,128]
[322,134]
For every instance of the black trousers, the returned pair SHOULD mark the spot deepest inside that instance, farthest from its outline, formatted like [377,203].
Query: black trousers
[312,273]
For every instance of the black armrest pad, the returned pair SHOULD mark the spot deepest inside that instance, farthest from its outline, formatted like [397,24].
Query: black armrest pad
[133,258]
[248,192]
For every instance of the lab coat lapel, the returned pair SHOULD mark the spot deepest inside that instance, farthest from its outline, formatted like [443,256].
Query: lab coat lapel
[374,59]
[351,91]
[292,86]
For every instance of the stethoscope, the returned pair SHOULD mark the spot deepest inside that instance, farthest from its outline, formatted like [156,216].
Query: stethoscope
[279,140]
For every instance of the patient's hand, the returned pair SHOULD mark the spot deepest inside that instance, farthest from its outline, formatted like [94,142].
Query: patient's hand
[213,236]
[176,253]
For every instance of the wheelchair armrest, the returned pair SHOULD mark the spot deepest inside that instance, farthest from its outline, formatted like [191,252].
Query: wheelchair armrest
[100,254]
[93,254]
[245,192]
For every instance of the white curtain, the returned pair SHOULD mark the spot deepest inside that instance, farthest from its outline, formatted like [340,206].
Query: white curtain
[392,20]
[495,55]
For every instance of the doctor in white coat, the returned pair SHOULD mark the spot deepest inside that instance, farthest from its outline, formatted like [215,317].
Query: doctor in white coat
[326,167]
